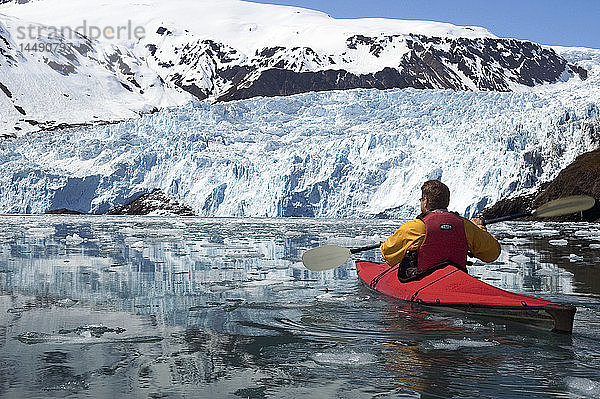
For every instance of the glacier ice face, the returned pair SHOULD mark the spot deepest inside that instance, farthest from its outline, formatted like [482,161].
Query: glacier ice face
[327,154]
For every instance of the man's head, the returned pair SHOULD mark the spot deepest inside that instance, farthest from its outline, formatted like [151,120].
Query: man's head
[434,195]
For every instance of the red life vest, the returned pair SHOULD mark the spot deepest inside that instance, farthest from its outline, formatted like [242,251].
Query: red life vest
[445,241]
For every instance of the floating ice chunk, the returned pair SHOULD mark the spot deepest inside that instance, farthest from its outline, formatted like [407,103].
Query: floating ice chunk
[543,233]
[516,241]
[245,255]
[594,246]
[451,344]
[137,245]
[292,234]
[282,265]
[584,386]
[33,337]
[351,359]
[270,279]
[520,259]
[575,258]
[559,243]
[41,231]
[331,297]
[66,303]
[179,225]
[545,271]
[74,239]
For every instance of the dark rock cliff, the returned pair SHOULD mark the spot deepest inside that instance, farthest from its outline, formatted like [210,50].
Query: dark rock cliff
[156,203]
[488,64]
[582,177]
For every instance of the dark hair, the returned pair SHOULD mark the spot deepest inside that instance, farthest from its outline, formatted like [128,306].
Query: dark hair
[437,194]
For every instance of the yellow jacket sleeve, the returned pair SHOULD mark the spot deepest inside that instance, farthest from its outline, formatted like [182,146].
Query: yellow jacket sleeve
[482,244]
[407,238]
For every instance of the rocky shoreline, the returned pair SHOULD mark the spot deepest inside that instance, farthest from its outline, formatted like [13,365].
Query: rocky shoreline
[155,203]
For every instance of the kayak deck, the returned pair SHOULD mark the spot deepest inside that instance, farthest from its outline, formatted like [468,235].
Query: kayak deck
[453,288]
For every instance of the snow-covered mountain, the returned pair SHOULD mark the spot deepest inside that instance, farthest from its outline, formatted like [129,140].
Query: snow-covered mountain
[394,61]
[138,55]
[72,80]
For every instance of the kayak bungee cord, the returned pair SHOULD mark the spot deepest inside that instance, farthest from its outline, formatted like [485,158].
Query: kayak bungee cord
[412,299]
[378,278]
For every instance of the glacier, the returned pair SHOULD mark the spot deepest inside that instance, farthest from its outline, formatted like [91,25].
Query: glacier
[356,153]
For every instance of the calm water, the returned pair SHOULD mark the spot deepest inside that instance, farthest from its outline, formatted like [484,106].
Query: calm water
[223,308]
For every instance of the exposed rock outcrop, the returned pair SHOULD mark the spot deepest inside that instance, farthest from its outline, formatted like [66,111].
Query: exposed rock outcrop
[63,211]
[582,177]
[488,64]
[154,203]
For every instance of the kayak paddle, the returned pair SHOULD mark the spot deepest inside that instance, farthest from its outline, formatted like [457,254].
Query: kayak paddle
[332,256]
[559,207]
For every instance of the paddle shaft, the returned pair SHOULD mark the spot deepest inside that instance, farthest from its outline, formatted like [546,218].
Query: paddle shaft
[331,256]
[363,249]
[508,217]
[486,222]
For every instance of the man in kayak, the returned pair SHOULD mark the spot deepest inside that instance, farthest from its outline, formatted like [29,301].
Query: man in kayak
[437,237]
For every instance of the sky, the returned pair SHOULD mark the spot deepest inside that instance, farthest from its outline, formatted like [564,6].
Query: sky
[552,22]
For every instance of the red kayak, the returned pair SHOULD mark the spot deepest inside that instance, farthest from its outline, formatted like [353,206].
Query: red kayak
[453,288]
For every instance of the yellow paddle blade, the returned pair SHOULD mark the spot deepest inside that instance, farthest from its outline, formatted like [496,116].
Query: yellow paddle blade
[325,257]
[565,206]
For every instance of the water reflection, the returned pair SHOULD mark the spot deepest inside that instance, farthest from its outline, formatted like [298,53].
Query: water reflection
[224,308]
